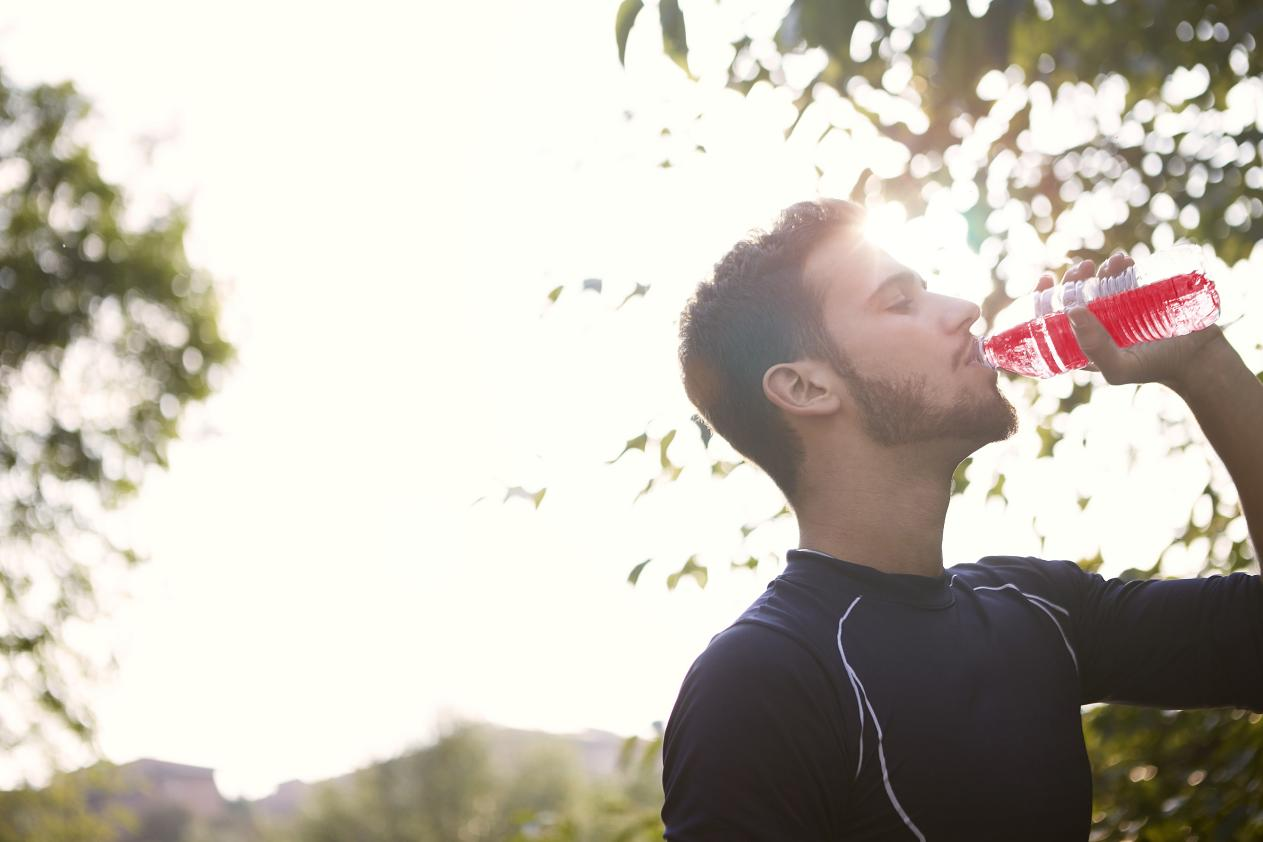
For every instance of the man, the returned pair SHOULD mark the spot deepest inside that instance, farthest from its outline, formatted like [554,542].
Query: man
[868,693]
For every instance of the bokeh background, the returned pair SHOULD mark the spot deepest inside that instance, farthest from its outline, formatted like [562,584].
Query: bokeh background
[349,490]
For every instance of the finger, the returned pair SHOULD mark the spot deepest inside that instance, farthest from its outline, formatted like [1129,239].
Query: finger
[1082,270]
[1115,264]
[1093,338]
[1045,281]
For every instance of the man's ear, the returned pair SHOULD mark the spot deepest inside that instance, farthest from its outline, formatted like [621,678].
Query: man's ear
[802,387]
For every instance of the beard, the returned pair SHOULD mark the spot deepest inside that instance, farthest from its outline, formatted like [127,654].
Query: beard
[899,412]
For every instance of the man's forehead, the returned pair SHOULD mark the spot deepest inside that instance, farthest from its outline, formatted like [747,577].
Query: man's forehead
[845,263]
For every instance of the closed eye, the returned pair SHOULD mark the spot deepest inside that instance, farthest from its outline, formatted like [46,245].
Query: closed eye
[908,284]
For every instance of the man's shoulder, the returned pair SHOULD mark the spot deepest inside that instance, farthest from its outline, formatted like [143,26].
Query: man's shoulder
[745,681]
[753,642]
[997,571]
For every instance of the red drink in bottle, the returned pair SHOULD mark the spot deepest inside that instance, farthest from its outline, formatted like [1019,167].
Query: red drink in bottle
[1046,345]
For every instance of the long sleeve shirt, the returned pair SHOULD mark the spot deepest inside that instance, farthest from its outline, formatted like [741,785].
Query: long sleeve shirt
[851,704]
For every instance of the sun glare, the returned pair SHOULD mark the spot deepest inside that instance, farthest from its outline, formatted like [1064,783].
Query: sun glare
[886,226]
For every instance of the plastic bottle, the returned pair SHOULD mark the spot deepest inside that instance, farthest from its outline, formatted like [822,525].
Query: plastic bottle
[1164,295]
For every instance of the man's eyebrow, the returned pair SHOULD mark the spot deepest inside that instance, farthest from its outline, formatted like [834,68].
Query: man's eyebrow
[899,277]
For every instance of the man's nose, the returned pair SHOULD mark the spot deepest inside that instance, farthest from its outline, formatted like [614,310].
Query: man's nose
[959,314]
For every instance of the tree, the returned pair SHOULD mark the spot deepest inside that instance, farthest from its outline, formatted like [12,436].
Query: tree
[64,811]
[1163,100]
[107,334]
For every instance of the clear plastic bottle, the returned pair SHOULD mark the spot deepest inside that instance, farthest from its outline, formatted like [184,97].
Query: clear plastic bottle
[1166,294]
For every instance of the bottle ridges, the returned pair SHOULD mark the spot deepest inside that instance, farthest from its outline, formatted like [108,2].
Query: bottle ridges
[1046,346]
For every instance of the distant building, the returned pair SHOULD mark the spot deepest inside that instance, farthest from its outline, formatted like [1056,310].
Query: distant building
[146,781]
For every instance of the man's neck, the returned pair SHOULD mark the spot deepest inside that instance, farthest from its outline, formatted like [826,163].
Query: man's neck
[887,515]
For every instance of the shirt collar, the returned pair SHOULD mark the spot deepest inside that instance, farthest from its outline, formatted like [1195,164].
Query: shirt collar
[902,588]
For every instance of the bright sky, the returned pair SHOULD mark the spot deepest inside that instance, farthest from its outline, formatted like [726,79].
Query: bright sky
[387,195]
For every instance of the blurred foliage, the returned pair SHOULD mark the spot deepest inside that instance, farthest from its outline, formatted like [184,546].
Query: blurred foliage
[107,333]
[476,783]
[63,811]
[462,789]
[1163,100]
[1164,776]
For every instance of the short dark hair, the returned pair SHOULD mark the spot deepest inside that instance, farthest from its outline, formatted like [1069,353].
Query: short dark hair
[757,310]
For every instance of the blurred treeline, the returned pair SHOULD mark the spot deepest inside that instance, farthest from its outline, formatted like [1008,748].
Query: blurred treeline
[471,785]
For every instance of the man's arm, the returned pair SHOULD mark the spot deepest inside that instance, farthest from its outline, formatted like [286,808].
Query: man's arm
[1187,642]
[1207,372]
[1202,368]
[1227,400]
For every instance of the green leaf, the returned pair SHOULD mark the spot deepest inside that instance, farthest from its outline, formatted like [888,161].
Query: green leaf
[634,576]
[637,443]
[674,40]
[1047,439]
[627,12]
[555,294]
[639,291]
[536,497]
[643,491]
[959,481]
[1093,564]
[662,447]
[750,563]
[690,568]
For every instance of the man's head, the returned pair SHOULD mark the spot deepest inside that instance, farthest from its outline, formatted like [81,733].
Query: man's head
[808,335]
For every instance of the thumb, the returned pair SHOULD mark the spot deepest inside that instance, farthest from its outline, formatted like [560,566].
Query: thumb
[1093,338]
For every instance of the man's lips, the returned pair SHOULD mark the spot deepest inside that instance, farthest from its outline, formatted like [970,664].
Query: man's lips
[972,354]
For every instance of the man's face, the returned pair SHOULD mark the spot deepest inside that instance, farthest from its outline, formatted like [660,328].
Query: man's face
[911,369]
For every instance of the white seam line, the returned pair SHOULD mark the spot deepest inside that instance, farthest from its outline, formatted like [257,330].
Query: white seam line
[1064,639]
[881,752]
[851,675]
[885,774]
[1036,600]
[1047,602]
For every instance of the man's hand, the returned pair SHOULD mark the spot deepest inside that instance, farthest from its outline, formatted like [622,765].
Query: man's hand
[1170,361]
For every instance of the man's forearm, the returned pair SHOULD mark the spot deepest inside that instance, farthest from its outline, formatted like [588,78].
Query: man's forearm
[1227,400]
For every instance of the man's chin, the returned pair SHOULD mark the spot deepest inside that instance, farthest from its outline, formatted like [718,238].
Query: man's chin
[899,412]
[991,420]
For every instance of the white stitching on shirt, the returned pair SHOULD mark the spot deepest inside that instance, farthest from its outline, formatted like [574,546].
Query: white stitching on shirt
[858,686]
[1035,600]
[850,673]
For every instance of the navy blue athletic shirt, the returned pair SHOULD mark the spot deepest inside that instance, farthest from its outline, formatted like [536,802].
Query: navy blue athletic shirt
[851,704]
